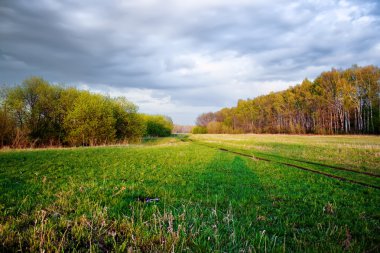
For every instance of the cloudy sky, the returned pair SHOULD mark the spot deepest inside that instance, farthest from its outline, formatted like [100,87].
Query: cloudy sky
[182,58]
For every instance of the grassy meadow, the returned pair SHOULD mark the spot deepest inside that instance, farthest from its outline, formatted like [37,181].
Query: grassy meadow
[185,194]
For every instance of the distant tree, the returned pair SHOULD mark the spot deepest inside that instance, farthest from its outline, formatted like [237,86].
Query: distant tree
[247,114]
[216,128]
[7,122]
[337,101]
[67,102]
[158,125]
[35,105]
[205,118]
[91,121]
[179,129]
[37,113]
[199,130]
[129,124]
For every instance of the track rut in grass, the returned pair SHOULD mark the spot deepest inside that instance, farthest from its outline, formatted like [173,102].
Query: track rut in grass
[313,163]
[327,166]
[297,166]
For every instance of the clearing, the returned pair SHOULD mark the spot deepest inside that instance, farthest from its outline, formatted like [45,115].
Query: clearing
[186,194]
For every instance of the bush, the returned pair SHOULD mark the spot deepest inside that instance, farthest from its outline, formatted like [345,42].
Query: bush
[37,113]
[129,125]
[91,121]
[199,130]
[158,126]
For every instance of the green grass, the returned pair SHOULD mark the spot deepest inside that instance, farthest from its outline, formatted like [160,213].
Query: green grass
[88,198]
[353,151]
[312,152]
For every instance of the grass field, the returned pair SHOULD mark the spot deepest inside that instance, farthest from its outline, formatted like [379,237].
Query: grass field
[200,198]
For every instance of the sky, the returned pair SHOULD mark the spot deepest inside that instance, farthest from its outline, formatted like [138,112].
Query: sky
[183,58]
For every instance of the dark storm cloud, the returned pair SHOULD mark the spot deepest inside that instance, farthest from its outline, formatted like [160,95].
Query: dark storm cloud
[183,58]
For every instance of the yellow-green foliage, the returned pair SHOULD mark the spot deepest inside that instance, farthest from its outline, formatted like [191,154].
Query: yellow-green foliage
[158,125]
[129,125]
[337,101]
[199,130]
[37,113]
[91,121]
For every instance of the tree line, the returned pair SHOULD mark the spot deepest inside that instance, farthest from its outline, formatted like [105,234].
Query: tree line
[37,113]
[336,102]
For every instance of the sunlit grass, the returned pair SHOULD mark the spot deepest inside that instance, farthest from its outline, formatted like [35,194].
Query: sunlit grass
[93,198]
[355,151]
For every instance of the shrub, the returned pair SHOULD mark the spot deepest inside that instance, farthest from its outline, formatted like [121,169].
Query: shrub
[158,125]
[91,121]
[199,130]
